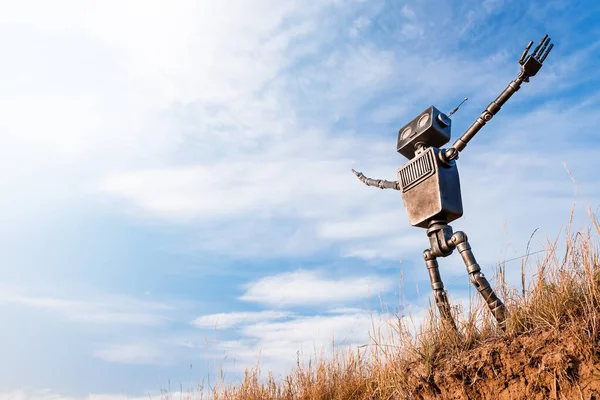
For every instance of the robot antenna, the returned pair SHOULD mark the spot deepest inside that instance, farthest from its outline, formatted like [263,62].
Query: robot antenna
[457,107]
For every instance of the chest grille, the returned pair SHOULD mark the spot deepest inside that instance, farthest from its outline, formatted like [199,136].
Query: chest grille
[416,170]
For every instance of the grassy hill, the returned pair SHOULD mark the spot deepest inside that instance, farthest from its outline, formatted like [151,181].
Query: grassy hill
[550,350]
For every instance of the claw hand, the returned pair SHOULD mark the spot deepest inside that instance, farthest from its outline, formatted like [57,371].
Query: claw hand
[531,64]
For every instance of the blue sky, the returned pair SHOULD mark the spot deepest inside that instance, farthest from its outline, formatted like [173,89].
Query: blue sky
[177,183]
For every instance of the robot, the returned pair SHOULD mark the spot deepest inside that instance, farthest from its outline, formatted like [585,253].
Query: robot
[430,185]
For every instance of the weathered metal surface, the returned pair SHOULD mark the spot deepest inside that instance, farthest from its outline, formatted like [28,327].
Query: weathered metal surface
[430,189]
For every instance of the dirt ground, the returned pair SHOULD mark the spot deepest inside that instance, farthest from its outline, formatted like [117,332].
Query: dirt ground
[535,366]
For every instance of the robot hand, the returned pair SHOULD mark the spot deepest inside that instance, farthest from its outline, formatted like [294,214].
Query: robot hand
[531,64]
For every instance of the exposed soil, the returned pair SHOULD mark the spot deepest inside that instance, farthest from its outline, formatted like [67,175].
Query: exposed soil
[546,365]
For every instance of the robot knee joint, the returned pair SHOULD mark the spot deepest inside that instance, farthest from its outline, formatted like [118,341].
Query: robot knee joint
[479,280]
[459,237]
[473,280]
[440,297]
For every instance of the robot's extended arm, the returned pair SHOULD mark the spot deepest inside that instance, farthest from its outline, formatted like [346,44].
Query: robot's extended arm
[377,182]
[530,65]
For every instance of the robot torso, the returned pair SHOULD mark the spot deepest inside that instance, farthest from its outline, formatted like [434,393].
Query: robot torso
[430,189]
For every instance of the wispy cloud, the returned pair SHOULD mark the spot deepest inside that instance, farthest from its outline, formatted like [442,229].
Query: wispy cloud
[132,353]
[51,395]
[304,179]
[359,24]
[38,395]
[230,320]
[304,287]
[275,345]
[278,345]
[111,310]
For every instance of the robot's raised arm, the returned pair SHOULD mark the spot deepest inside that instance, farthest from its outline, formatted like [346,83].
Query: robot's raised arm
[377,182]
[530,65]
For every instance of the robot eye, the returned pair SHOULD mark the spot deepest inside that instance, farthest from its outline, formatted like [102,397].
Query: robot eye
[423,121]
[405,133]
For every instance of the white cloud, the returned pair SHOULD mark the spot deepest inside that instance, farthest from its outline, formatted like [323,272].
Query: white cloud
[116,397]
[344,310]
[305,182]
[374,224]
[411,31]
[227,189]
[111,310]
[275,343]
[132,353]
[276,346]
[230,320]
[51,395]
[408,12]
[343,327]
[359,24]
[87,90]
[39,395]
[304,287]
[401,245]
[388,113]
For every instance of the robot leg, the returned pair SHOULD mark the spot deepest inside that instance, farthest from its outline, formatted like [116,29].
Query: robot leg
[459,239]
[439,294]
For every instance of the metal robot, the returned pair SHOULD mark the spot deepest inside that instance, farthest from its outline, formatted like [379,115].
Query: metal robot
[430,185]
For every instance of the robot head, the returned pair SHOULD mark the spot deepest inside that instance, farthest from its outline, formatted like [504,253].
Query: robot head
[431,128]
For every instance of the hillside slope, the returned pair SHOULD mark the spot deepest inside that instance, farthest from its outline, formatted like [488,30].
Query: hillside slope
[551,349]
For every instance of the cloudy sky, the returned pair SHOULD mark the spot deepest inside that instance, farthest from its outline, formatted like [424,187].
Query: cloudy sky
[176,176]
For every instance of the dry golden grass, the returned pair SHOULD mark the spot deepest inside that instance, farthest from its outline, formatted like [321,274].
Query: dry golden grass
[550,350]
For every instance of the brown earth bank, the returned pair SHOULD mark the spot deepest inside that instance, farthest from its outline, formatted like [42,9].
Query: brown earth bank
[543,363]
[537,365]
